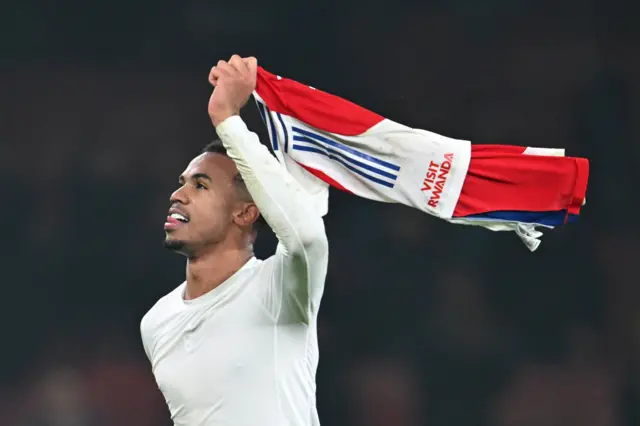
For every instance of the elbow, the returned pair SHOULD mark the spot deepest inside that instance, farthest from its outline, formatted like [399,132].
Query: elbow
[307,242]
[313,239]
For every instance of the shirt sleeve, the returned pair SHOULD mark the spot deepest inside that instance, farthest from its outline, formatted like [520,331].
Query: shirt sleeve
[298,268]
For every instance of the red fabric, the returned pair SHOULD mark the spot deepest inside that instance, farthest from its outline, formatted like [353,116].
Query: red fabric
[501,178]
[314,107]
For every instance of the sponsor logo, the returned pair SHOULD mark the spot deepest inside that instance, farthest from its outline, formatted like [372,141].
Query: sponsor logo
[436,179]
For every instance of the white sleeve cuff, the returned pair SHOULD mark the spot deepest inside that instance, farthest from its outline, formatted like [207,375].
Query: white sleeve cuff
[232,126]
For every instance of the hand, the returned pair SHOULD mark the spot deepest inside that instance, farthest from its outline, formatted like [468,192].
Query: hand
[234,81]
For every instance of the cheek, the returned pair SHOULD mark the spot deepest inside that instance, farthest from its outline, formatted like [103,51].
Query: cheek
[213,213]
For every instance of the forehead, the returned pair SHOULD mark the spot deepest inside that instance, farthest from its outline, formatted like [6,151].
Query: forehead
[212,164]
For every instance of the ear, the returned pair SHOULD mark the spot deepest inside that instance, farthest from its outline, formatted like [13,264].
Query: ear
[246,215]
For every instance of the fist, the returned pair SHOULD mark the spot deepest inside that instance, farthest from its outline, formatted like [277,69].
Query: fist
[233,82]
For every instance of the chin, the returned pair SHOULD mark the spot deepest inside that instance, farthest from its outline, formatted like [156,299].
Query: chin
[174,244]
[180,246]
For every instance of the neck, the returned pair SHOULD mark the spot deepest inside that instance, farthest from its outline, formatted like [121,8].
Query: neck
[207,271]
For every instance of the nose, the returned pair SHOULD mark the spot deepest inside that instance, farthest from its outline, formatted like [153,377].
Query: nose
[179,196]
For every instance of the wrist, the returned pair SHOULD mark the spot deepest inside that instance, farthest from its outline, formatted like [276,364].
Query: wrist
[220,117]
[232,129]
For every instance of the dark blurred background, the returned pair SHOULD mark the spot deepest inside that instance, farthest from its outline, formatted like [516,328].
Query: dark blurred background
[102,104]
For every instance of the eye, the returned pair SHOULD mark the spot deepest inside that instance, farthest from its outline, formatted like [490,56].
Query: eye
[200,186]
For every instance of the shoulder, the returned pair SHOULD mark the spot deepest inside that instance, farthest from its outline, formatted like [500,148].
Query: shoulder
[152,321]
[160,310]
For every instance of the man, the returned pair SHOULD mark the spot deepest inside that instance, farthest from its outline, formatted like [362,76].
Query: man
[236,343]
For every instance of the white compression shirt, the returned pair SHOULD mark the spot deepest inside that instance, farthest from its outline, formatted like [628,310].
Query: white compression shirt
[246,353]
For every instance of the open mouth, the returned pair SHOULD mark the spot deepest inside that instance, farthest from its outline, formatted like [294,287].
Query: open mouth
[174,221]
[179,217]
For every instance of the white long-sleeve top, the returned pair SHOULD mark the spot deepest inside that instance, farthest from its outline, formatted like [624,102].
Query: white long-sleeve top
[246,353]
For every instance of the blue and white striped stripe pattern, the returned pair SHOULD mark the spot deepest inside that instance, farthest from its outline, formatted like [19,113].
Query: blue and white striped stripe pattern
[265,114]
[268,121]
[371,168]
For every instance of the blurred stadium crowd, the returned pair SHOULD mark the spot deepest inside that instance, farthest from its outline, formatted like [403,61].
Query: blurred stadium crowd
[422,323]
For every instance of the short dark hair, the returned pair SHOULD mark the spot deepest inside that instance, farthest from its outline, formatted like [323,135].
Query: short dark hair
[217,147]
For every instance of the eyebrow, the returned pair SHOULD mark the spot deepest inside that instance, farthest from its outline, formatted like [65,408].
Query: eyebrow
[195,177]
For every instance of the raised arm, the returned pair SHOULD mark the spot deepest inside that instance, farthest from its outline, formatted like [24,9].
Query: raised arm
[299,266]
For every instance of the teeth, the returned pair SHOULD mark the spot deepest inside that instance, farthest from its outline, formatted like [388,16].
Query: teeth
[179,217]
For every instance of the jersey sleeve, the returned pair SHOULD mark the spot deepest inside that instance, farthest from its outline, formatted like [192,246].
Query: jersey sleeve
[298,269]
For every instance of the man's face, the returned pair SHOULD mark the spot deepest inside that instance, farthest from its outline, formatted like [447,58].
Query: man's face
[202,209]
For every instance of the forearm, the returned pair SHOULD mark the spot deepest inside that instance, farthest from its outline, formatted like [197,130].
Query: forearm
[281,199]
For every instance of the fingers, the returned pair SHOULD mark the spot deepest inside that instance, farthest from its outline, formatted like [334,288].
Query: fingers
[239,65]
[214,75]
[246,66]
[222,69]
[252,65]
[225,69]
